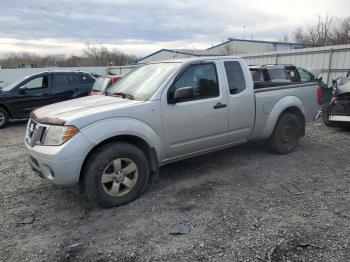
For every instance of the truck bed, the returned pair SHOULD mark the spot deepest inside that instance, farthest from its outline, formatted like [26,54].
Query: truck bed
[268,100]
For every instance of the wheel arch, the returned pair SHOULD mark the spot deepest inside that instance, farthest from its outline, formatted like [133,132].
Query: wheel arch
[7,109]
[296,111]
[149,151]
[289,104]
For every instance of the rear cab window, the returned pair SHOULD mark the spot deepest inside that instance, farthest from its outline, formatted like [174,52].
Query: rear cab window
[235,77]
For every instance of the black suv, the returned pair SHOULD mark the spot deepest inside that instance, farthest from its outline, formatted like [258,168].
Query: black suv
[18,99]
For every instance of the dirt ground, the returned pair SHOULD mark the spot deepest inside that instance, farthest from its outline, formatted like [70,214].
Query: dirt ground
[240,204]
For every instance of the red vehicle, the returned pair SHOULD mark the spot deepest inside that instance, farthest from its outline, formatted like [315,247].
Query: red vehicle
[102,83]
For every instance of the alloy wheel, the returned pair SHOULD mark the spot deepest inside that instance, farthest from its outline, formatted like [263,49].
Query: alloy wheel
[119,177]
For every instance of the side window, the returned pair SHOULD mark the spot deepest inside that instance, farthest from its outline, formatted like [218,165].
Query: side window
[201,80]
[291,74]
[86,79]
[257,75]
[39,82]
[73,79]
[305,76]
[65,80]
[235,77]
[276,74]
[61,81]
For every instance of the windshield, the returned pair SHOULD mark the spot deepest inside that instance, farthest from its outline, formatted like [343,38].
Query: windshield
[101,84]
[144,81]
[13,84]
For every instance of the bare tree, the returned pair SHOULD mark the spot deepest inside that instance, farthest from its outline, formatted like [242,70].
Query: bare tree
[100,55]
[327,31]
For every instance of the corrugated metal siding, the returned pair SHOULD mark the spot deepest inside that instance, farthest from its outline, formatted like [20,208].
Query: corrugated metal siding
[330,61]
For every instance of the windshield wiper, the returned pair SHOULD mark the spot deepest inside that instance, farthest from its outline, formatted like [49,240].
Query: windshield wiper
[124,95]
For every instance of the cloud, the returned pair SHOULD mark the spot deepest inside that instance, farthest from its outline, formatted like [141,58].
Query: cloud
[132,25]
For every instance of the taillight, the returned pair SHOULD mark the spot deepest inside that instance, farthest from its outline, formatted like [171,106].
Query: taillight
[319,95]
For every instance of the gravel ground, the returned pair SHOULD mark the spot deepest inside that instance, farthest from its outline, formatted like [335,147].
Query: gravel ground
[240,204]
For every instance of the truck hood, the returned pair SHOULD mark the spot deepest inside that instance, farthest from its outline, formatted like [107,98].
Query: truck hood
[62,112]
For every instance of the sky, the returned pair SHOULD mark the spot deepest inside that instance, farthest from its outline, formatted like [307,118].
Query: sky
[143,26]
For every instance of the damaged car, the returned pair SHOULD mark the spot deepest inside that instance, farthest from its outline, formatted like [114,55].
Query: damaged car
[337,112]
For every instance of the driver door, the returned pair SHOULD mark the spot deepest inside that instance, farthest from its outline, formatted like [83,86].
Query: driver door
[200,121]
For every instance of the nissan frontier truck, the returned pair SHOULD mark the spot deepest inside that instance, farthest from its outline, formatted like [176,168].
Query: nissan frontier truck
[162,112]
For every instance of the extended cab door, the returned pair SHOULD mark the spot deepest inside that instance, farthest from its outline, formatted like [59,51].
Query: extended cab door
[198,120]
[241,102]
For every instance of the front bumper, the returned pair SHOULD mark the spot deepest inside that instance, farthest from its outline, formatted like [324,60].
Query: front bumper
[60,165]
[337,118]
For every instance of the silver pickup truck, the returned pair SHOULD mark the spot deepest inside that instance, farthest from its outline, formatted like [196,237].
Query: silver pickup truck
[160,113]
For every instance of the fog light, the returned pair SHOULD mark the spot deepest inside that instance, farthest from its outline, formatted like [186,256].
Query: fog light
[49,172]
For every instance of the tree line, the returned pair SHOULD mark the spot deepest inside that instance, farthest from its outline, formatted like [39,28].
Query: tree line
[92,55]
[326,31]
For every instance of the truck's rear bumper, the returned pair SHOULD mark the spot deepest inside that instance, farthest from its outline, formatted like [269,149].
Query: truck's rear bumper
[339,118]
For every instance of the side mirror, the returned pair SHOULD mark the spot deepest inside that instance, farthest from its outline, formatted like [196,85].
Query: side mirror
[319,78]
[182,93]
[22,90]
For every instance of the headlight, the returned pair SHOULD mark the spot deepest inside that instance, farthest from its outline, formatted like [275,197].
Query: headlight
[57,135]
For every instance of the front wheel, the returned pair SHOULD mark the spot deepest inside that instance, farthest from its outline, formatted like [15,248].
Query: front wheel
[116,174]
[285,135]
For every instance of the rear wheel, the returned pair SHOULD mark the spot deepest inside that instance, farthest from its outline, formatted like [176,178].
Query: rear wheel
[116,174]
[4,117]
[286,134]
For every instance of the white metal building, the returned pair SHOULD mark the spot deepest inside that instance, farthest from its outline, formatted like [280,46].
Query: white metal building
[166,54]
[231,47]
[243,46]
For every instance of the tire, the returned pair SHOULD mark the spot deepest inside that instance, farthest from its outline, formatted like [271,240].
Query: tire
[4,117]
[107,178]
[326,109]
[286,134]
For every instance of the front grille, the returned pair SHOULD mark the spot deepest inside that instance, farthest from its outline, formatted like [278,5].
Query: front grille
[35,133]
[341,106]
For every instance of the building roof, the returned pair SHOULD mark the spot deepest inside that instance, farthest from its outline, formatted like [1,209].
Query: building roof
[210,52]
[191,52]
[231,39]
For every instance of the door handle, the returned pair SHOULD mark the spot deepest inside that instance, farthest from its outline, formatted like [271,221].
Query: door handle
[45,94]
[219,105]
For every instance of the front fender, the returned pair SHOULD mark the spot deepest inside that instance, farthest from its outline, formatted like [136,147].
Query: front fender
[283,104]
[102,130]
